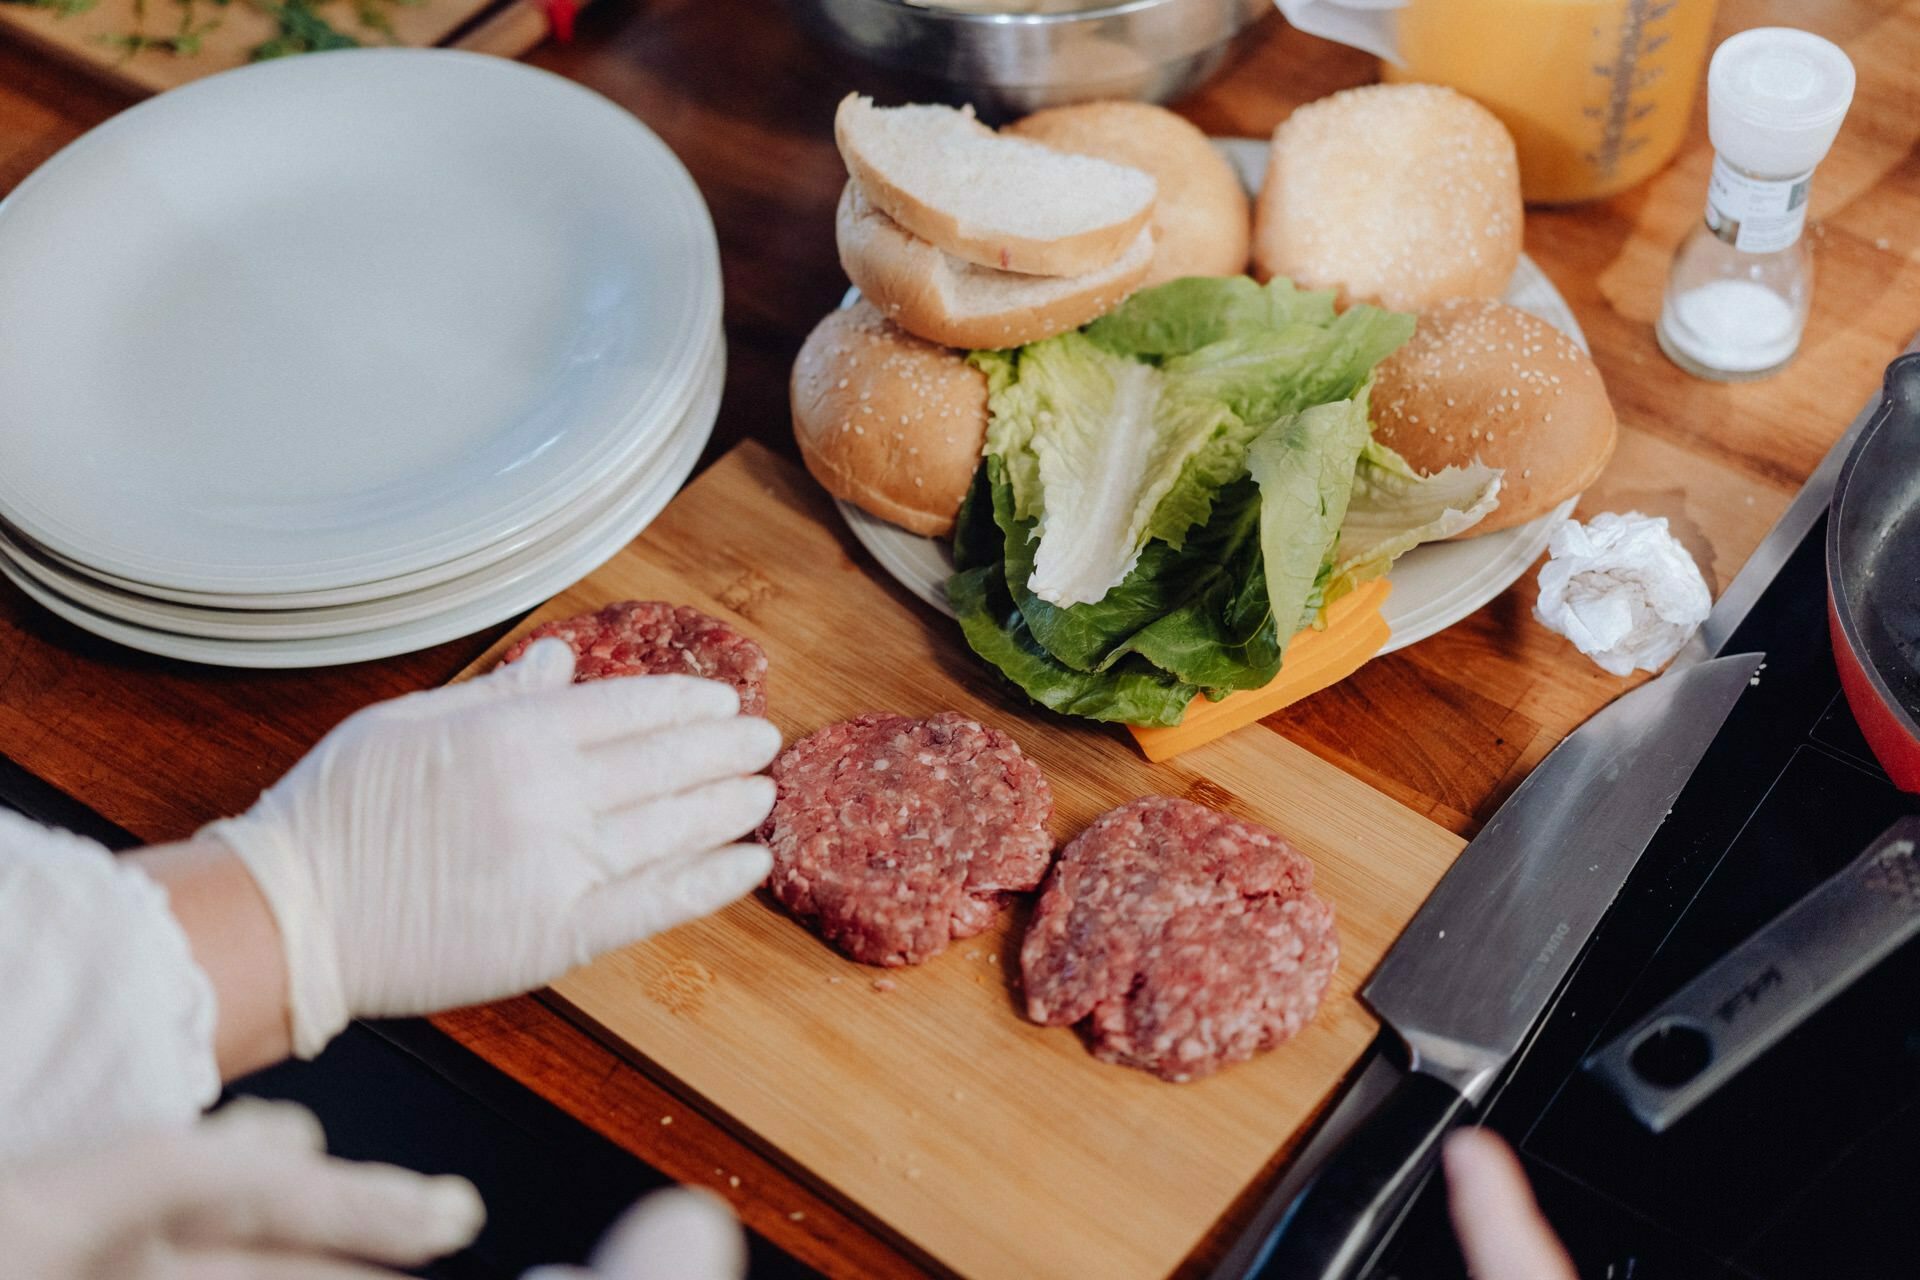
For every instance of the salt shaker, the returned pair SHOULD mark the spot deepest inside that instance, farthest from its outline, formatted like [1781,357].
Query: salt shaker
[1738,292]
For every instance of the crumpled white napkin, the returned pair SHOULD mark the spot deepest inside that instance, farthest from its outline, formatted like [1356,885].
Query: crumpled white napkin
[1371,25]
[1623,590]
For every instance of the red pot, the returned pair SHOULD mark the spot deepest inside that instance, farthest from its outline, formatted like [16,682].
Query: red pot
[1873,576]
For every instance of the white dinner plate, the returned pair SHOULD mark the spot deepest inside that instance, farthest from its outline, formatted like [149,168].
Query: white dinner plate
[621,473]
[1434,585]
[503,601]
[336,318]
[592,524]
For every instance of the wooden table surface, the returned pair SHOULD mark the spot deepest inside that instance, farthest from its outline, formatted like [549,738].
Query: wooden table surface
[1447,727]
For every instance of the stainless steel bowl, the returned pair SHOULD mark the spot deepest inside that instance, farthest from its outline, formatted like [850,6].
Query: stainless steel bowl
[1007,64]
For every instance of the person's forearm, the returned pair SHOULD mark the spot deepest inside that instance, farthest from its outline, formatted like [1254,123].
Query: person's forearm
[235,940]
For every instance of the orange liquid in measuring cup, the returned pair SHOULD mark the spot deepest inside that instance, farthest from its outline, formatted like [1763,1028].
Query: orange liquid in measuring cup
[1596,92]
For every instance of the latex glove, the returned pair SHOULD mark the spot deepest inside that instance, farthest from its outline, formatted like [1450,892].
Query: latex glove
[476,841]
[247,1194]
[682,1234]
[1501,1231]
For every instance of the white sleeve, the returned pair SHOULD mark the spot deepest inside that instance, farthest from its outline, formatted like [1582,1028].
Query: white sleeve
[106,1021]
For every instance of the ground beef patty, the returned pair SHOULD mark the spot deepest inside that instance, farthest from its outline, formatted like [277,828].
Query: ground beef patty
[651,638]
[892,837]
[1185,938]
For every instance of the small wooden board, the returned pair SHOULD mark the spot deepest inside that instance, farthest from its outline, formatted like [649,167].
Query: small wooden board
[995,1147]
[229,31]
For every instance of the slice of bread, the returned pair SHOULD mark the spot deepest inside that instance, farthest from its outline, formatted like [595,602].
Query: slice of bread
[994,201]
[1201,218]
[1396,194]
[1482,380]
[887,421]
[943,299]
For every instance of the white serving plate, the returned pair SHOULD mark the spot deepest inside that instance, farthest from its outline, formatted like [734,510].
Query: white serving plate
[1434,585]
[332,319]
[620,473]
[609,510]
[505,599]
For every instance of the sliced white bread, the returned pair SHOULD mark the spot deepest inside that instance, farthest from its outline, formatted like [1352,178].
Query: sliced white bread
[941,298]
[992,200]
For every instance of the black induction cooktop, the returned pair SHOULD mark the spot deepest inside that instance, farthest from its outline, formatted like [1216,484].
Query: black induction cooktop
[1806,1165]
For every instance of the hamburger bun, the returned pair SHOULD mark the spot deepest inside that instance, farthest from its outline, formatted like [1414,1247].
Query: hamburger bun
[1483,380]
[1397,194]
[1202,219]
[943,299]
[991,200]
[886,421]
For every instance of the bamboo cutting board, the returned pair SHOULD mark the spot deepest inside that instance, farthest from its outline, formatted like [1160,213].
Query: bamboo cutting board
[995,1147]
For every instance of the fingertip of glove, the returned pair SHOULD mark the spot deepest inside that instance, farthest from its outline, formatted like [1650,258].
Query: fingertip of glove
[453,1210]
[745,864]
[547,663]
[684,1233]
[706,698]
[766,740]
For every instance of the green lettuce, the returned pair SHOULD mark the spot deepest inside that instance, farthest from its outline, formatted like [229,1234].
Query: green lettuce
[1304,466]
[1394,509]
[1171,494]
[1107,449]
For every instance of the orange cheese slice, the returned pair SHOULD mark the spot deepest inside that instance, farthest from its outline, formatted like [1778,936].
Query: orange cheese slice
[1354,632]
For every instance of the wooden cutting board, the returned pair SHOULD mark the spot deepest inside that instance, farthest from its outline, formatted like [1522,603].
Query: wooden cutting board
[145,46]
[995,1147]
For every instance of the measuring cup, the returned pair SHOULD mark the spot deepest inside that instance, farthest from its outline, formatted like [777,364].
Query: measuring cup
[1595,92]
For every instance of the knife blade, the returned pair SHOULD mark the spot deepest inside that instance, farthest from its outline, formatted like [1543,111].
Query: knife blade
[1482,958]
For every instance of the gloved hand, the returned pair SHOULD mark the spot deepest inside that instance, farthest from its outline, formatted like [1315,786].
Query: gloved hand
[245,1195]
[680,1234]
[476,841]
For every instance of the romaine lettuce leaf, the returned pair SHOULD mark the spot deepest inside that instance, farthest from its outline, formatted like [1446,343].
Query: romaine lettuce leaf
[1108,449]
[1132,692]
[1198,611]
[1171,494]
[1394,508]
[1185,315]
[1304,466]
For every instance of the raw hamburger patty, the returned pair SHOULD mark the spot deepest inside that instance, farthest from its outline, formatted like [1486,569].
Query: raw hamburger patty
[1187,939]
[651,638]
[892,837]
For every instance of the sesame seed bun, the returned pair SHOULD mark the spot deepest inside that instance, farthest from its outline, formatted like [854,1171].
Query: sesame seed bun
[887,421]
[1483,380]
[1202,220]
[1398,194]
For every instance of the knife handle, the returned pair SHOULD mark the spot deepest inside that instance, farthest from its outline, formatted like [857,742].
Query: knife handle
[1333,1226]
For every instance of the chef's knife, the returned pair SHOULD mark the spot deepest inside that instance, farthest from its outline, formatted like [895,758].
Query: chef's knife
[1701,1036]
[1483,957]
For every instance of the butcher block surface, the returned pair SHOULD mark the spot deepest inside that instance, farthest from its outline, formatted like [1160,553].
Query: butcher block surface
[993,1147]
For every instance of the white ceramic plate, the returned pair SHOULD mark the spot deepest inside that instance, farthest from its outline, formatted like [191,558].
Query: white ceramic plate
[623,473]
[1434,586]
[609,510]
[330,319]
[503,600]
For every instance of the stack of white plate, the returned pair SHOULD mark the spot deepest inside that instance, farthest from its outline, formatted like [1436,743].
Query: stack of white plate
[344,355]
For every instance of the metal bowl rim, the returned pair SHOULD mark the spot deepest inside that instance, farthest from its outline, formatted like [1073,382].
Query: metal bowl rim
[974,18]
